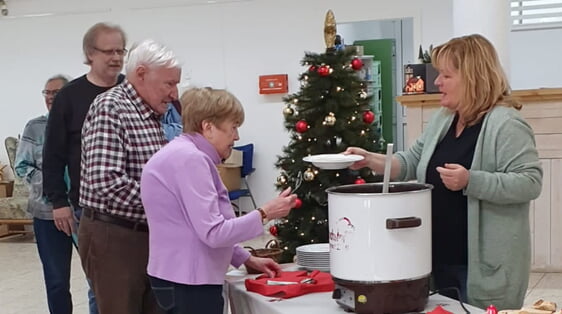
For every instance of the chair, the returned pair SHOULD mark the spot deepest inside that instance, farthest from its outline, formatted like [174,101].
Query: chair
[247,169]
[13,209]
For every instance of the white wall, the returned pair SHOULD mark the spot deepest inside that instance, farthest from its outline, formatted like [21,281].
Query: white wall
[536,58]
[225,45]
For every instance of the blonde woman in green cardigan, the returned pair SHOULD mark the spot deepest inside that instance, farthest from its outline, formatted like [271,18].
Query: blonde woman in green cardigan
[480,155]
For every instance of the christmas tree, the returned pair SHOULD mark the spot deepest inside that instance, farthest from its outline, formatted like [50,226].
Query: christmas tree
[329,113]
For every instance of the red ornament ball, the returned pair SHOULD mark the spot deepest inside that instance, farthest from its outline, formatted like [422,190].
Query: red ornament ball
[356,64]
[368,117]
[273,230]
[312,68]
[298,203]
[491,310]
[360,181]
[301,126]
[324,70]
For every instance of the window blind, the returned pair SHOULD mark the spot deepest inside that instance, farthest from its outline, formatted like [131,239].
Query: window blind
[531,14]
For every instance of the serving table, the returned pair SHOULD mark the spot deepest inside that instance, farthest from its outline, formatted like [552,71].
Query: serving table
[245,302]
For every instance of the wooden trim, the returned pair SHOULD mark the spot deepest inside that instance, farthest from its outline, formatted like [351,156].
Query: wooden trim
[16,221]
[419,100]
[523,95]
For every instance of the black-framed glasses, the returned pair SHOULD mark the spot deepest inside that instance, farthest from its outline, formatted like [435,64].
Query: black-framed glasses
[112,52]
[47,92]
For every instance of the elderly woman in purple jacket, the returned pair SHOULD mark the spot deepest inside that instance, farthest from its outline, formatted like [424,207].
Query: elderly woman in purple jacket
[194,233]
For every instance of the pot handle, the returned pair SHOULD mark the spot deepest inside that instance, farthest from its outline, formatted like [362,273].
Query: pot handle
[272,244]
[404,222]
[251,249]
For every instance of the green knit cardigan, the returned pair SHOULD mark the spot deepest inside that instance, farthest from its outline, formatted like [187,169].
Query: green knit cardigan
[505,176]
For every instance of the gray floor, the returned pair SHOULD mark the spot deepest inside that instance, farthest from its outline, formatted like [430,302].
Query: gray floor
[22,289]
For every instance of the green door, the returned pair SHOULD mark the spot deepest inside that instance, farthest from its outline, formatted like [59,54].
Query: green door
[383,50]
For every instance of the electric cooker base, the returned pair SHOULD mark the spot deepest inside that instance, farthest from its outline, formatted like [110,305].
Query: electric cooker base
[393,297]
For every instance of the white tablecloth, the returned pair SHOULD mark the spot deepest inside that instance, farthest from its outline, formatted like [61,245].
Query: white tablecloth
[244,302]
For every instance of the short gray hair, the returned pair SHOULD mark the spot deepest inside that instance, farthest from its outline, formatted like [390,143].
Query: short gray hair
[65,79]
[151,54]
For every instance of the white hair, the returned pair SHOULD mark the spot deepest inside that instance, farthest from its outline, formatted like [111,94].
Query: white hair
[151,54]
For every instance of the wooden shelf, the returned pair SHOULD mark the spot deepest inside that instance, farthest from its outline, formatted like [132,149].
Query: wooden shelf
[524,95]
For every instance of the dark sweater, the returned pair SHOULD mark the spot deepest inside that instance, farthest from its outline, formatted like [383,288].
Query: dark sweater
[449,218]
[62,140]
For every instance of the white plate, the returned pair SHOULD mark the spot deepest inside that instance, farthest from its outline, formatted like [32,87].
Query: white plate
[317,247]
[332,161]
[323,269]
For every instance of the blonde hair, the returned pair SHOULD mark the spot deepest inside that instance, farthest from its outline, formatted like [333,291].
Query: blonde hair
[483,81]
[89,40]
[207,104]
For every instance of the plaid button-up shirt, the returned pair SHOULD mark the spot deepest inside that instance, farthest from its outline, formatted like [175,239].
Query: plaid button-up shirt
[119,135]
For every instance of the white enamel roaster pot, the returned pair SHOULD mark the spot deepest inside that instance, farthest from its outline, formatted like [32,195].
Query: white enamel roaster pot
[376,237]
[380,246]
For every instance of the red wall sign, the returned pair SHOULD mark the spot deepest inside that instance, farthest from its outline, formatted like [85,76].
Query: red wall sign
[274,84]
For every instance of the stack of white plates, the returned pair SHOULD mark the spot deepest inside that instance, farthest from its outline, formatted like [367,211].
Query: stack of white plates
[314,256]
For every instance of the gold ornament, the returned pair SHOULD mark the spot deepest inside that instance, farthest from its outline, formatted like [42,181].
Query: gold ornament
[330,119]
[309,175]
[330,29]
[288,111]
[282,179]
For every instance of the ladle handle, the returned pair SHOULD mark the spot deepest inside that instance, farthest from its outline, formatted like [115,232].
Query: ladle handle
[387,166]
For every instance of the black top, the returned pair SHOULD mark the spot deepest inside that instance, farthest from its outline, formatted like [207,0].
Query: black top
[449,209]
[62,139]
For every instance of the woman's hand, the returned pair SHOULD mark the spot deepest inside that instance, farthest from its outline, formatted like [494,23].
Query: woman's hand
[454,176]
[281,205]
[358,151]
[265,265]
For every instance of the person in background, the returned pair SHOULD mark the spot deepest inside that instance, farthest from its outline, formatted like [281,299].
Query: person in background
[480,156]
[193,229]
[104,48]
[122,130]
[54,247]
[171,121]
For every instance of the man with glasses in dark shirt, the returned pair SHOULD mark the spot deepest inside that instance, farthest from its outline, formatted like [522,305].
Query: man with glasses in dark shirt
[104,51]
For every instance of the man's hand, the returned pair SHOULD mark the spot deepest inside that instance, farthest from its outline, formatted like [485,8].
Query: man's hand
[64,220]
[265,265]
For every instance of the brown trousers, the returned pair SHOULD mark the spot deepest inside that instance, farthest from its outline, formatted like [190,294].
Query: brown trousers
[114,259]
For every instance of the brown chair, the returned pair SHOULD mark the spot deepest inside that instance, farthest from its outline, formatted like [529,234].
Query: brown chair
[13,209]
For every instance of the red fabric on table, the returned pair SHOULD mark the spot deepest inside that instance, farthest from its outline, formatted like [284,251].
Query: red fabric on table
[439,310]
[322,283]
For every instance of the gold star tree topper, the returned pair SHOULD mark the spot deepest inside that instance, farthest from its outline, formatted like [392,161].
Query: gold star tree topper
[330,30]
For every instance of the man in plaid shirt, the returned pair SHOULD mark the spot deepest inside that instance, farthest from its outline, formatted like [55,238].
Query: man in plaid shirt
[121,132]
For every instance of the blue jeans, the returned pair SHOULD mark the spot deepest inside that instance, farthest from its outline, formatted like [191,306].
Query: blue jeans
[92,305]
[55,252]
[177,298]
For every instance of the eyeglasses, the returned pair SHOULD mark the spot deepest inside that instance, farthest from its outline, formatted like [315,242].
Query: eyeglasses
[112,52]
[47,92]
